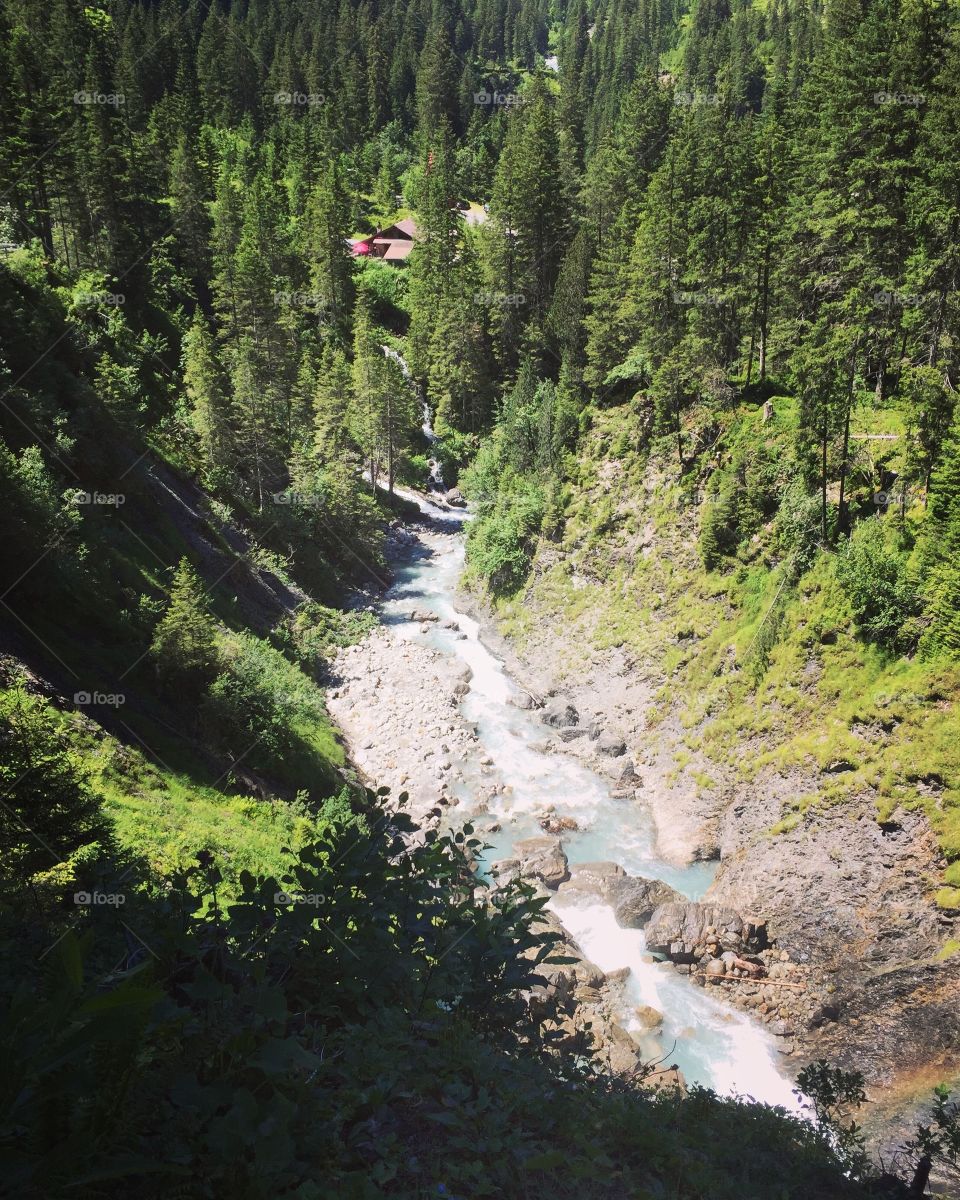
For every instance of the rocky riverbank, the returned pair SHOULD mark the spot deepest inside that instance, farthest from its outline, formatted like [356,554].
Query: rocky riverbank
[826,933]
[855,969]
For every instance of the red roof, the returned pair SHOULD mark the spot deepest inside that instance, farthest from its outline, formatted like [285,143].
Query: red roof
[394,250]
[359,248]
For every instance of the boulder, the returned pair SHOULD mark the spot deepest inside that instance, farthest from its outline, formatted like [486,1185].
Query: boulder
[542,858]
[555,825]
[559,714]
[685,930]
[594,879]
[636,899]
[611,746]
[521,700]
[571,733]
[648,1016]
[456,498]
[504,870]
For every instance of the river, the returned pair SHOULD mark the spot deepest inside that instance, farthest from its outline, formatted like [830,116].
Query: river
[713,1045]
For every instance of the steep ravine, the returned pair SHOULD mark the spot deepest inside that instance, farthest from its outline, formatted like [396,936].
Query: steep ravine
[850,898]
[427,708]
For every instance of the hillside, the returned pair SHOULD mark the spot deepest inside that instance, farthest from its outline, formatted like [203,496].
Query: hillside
[478,706]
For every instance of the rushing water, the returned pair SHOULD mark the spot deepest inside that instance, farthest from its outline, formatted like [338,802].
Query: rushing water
[711,1043]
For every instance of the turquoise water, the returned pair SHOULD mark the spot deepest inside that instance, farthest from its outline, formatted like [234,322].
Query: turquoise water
[713,1045]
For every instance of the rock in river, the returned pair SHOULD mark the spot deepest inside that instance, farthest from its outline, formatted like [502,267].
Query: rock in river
[543,858]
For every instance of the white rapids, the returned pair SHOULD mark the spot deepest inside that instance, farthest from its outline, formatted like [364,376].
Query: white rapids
[713,1045]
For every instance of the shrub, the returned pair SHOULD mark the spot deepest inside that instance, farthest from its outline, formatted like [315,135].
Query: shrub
[718,530]
[501,541]
[51,817]
[873,573]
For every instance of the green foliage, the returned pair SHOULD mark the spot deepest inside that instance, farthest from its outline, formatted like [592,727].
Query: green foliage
[355,1027]
[184,646]
[502,538]
[834,1095]
[874,575]
[264,711]
[718,530]
[52,822]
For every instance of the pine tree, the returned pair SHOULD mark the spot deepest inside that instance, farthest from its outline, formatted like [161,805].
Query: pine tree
[184,646]
[210,408]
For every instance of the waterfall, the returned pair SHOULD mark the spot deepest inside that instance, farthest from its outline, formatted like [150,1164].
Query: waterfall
[435,481]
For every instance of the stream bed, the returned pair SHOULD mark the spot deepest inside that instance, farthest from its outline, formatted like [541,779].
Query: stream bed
[713,1044]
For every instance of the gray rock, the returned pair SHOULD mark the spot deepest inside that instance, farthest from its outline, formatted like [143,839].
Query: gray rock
[679,930]
[571,733]
[559,714]
[610,745]
[542,858]
[636,899]
[594,879]
[628,774]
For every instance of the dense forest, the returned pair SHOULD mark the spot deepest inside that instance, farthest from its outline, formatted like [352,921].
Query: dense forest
[715,242]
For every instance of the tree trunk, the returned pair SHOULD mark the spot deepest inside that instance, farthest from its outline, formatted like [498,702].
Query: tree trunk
[842,512]
[823,480]
[390,445]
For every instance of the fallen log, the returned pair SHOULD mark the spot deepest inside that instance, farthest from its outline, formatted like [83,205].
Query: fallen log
[800,987]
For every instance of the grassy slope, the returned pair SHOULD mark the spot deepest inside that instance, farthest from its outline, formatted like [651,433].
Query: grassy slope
[744,658]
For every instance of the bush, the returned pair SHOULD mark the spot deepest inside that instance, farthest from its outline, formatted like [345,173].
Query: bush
[874,575]
[718,530]
[355,1029]
[52,818]
[501,541]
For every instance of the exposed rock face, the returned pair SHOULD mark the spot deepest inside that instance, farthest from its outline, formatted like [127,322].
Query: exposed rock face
[632,898]
[684,931]
[637,899]
[542,858]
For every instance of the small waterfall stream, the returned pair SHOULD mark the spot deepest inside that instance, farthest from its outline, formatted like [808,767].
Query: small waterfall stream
[435,481]
[713,1044]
